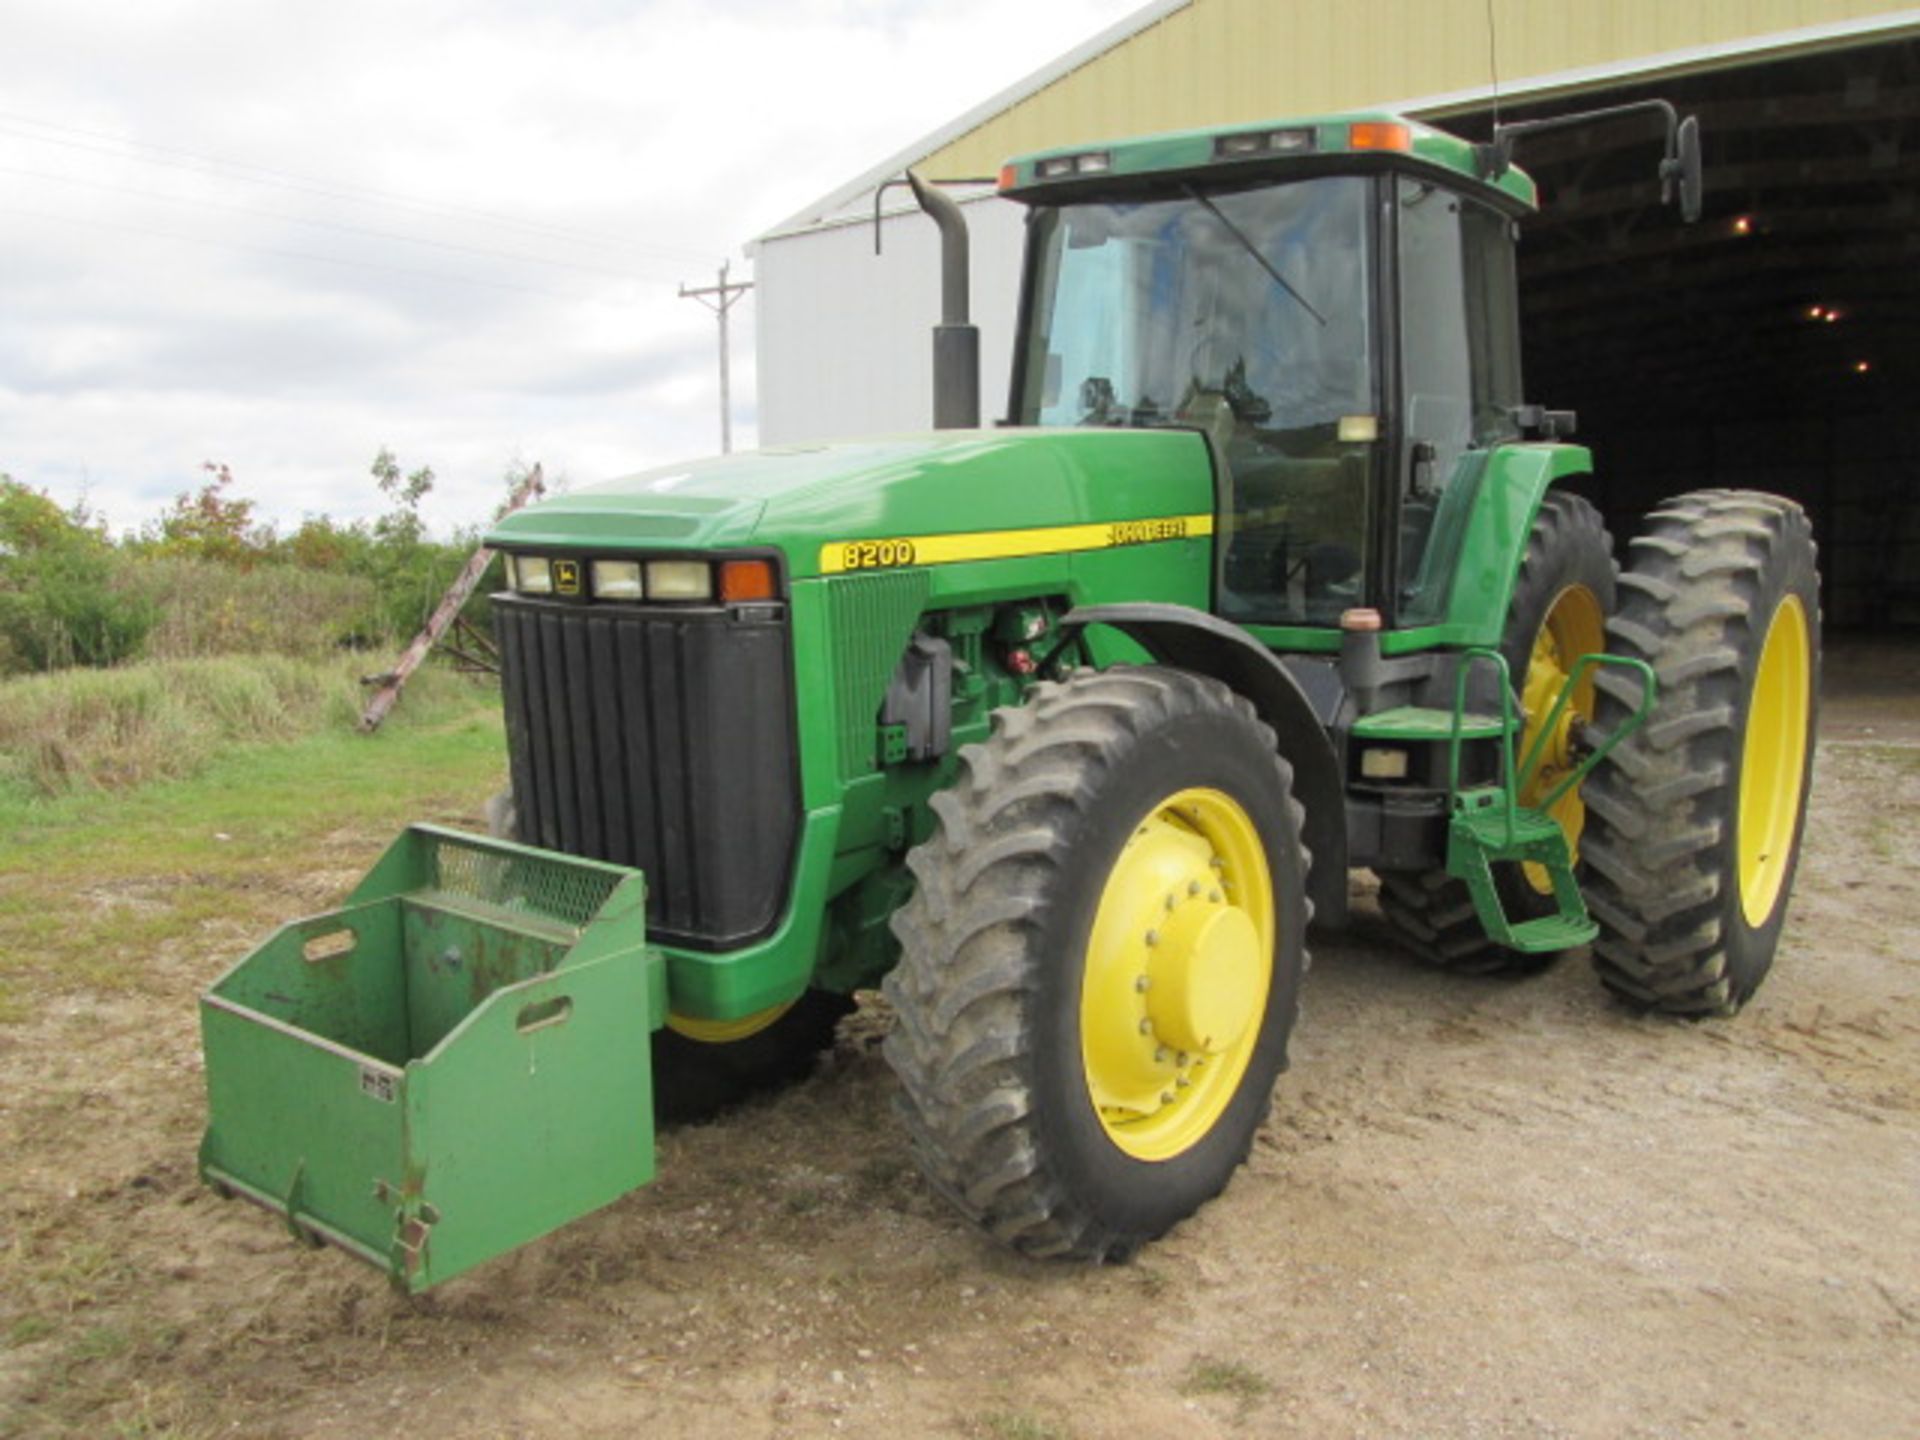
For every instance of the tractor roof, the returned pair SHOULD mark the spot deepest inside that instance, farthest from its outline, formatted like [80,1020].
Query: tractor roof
[1271,149]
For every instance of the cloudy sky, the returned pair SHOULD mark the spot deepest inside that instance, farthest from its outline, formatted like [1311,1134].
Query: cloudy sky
[281,234]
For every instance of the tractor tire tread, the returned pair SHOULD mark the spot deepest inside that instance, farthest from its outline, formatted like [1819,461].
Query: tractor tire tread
[1431,911]
[1661,805]
[965,980]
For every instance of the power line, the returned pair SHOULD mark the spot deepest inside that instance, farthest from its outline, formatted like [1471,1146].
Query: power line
[203,240]
[230,206]
[248,173]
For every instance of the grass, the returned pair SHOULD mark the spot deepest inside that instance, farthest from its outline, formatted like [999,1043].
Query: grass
[165,719]
[1019,1425]
[147,892]
[1226,1378]
[95,883]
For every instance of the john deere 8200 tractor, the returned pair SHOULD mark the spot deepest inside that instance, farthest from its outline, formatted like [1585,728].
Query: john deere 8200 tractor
[1061,732]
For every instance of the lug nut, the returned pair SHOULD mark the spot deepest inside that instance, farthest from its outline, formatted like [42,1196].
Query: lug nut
[1146,1027]
[1143,983]
[1193,887]
[1153,938]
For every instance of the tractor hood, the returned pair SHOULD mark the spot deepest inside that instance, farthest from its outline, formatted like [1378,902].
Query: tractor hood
[803,499]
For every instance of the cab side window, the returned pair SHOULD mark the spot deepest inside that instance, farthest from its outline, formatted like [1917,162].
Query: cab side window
[1459,370]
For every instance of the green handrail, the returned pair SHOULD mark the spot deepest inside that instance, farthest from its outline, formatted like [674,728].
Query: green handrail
[1512,784]
[1467,657]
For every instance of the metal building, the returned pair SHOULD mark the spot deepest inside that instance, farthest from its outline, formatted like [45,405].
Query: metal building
[1776,344]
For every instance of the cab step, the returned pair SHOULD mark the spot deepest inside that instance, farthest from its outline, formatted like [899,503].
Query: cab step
[1489,824]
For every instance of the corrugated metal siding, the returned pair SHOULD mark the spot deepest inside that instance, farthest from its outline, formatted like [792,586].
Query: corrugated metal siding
[1217,62]
[843,336]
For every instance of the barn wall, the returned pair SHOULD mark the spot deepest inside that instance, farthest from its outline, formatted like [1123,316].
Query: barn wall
[844,336]
[1218,62]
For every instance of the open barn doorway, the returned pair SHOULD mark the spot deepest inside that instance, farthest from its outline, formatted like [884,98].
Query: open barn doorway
[1773,345]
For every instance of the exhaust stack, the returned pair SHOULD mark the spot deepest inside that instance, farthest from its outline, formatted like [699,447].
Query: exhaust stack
[956,341]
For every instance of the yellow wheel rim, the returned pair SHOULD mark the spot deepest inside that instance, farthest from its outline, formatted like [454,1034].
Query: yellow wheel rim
[722,1032]
[1575,625]
[1178,967]
[1773,759]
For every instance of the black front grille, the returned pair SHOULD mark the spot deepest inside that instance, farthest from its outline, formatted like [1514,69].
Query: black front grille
[660,740]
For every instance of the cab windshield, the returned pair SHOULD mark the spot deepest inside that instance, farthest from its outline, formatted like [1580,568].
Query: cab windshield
[1245,314]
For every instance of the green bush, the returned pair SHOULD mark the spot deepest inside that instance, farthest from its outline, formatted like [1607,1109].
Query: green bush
[63,600]
[61,607]
[207,608]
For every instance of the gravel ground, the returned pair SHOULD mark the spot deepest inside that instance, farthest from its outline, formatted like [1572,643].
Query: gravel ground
[1479,1209]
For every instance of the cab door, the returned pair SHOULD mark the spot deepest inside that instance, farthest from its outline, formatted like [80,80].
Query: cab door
[1459,377]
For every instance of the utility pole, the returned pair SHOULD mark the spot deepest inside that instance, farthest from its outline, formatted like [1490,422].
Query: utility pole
[724,294]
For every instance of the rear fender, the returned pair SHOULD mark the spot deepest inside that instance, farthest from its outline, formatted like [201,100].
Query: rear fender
[1193,640]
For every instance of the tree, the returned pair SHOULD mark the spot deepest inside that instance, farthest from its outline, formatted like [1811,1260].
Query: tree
[212,523]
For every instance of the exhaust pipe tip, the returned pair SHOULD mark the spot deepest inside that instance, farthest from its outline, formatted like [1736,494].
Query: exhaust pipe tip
[956,340]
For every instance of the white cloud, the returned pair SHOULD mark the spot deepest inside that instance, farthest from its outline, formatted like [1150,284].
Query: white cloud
[160,311]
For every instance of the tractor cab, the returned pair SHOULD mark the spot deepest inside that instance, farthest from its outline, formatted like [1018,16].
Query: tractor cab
[1332,304]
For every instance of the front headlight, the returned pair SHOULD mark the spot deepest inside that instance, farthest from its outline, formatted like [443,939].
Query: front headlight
[533,574]
[679,580]
[617,580]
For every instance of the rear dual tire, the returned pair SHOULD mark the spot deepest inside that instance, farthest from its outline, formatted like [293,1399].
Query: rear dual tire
[1561,598]
[1697,818]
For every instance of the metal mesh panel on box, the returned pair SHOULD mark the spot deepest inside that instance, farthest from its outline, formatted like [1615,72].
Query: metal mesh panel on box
[524,884]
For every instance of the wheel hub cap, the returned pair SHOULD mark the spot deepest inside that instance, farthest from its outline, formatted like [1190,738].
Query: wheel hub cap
[1204,975]
[1178,968]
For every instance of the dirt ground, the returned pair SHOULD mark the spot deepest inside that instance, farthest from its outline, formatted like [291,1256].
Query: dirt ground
[1479,1209]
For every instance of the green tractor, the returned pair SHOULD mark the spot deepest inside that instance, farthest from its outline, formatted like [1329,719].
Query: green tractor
[1061,733]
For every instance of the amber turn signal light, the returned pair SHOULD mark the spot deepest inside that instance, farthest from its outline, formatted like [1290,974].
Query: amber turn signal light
[1379,135]
[746,580]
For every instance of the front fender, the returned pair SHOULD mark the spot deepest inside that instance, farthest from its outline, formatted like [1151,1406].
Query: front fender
[1194,640]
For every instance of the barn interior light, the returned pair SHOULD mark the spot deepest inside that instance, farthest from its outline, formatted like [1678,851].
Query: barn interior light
[1861,367]
[1743,225]
[1816,312]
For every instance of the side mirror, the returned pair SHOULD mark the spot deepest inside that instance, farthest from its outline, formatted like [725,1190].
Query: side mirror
[1684,166]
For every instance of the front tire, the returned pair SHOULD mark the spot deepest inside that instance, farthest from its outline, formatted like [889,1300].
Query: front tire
[1698,816]
[702,1068]
[1101,961]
